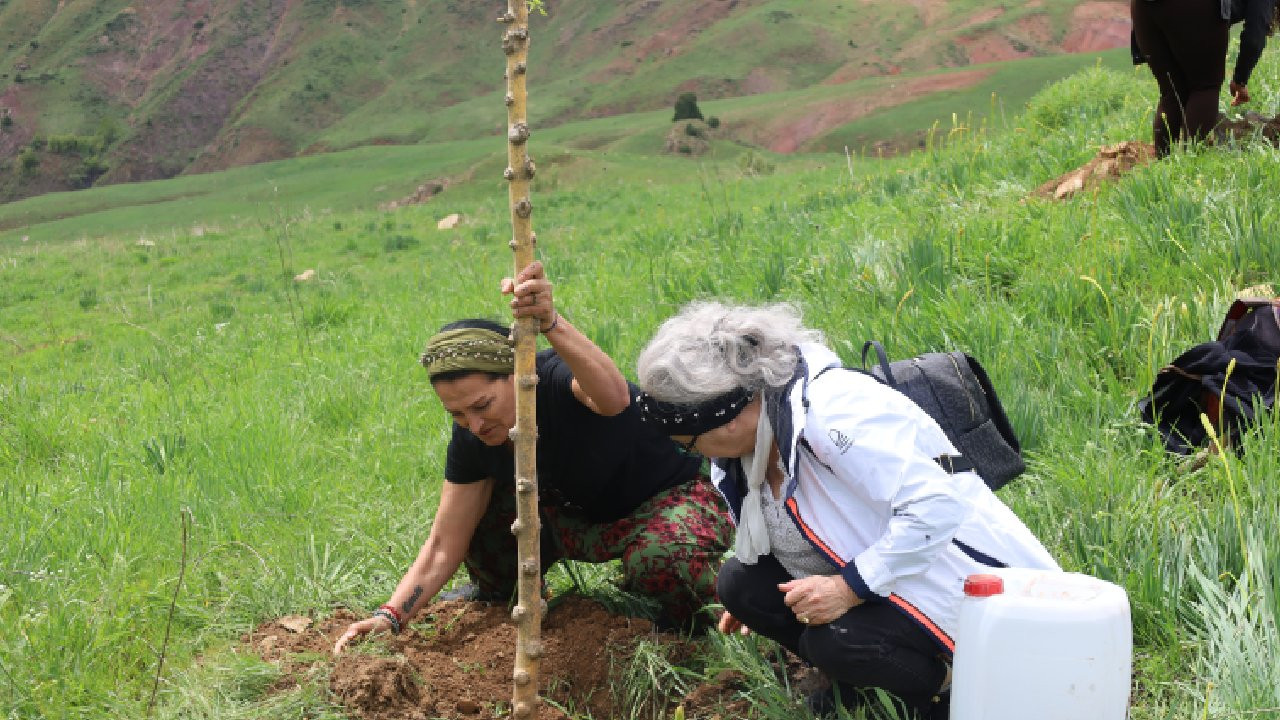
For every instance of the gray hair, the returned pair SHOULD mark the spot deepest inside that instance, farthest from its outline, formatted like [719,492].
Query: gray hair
[710,348]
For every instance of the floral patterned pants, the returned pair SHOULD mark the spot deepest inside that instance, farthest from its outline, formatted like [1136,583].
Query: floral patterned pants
[671,547]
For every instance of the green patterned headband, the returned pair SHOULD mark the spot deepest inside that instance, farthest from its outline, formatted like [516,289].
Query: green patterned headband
[473,349]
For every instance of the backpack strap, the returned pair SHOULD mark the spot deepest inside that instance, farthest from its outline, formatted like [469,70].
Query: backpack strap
[952,464]
[884,361]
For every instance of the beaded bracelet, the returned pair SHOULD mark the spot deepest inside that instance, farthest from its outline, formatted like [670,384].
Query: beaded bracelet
[390,617]
[555,321]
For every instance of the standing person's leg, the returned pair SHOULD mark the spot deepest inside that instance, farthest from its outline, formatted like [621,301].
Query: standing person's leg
[1148,28]
[875,645]
[670,547]
[1198,37]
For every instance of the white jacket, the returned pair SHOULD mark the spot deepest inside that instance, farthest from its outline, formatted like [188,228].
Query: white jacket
[864,488]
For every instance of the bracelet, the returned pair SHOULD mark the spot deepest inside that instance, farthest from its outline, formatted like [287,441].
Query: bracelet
[555,321]
[395,624]
[392,609]
[389,615]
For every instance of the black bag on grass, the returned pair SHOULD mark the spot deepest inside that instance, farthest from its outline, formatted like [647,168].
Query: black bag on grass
[1197,382]
[955,391]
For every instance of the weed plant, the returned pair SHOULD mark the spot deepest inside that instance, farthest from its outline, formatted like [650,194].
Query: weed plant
[144,377]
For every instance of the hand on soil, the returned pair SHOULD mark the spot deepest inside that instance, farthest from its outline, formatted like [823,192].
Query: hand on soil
[730,624]
[356,629]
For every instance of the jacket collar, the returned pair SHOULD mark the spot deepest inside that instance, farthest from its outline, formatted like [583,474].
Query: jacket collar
[788,405]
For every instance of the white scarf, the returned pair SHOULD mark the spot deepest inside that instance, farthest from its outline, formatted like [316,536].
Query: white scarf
[753,535]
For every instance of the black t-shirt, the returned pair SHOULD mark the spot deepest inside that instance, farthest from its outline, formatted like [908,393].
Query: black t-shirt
[602,467]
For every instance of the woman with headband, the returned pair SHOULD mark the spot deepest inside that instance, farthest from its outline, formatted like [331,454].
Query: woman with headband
[610,487]
[852,540]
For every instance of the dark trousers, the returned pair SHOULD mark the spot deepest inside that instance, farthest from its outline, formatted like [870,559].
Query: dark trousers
[874,645]
[1185,44]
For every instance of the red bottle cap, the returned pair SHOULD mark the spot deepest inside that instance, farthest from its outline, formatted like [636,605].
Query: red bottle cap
[983,585]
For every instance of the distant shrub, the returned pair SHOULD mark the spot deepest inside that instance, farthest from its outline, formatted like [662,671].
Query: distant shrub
[687,108]
[74,144]
[88,299]
[684,149]
[752,164]
[713,122]
[399,242]
[88,173]
[28,160]
[692,130]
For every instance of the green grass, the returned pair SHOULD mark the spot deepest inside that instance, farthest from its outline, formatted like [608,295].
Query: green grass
[139,382]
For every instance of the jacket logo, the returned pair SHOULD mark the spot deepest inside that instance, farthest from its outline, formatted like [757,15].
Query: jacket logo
[840,440]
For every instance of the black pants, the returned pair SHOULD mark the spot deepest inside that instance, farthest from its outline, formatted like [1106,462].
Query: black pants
[1185,43]
[874,645]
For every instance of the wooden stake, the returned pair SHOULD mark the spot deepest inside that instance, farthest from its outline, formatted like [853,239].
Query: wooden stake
[528,610]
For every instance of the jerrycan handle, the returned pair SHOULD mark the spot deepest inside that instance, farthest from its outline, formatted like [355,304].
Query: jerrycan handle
[983,585]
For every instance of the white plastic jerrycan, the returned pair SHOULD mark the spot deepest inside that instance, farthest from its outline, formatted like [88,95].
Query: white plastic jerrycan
[1041,644]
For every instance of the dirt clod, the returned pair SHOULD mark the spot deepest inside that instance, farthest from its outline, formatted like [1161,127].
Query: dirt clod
[1111,162]
[369,683]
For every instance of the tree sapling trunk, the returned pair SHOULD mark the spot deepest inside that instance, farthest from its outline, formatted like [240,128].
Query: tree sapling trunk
[528,610]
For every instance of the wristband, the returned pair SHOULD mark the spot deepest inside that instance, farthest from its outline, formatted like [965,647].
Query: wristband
[555,321]
[390,615]
[392,609]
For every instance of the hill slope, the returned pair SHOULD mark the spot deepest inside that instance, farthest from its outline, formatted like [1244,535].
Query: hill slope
[193,442]
[107,91]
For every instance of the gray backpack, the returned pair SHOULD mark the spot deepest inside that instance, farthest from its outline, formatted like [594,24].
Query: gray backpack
[956,392]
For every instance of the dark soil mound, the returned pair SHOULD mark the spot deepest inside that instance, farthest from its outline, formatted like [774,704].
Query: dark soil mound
[456,662]
[1250,126]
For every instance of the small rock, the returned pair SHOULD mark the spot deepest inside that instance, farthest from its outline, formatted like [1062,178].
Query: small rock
[305,275]
[468,707]
[294,623]
[1263,290]
[449,222]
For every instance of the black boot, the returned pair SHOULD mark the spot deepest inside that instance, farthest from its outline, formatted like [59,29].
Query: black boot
[824,704]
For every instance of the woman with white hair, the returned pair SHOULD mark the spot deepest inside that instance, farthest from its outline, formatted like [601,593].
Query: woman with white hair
[853,542]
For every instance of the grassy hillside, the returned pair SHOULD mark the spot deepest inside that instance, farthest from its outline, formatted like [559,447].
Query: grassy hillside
[818,121]
[105,91]
[191,374]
